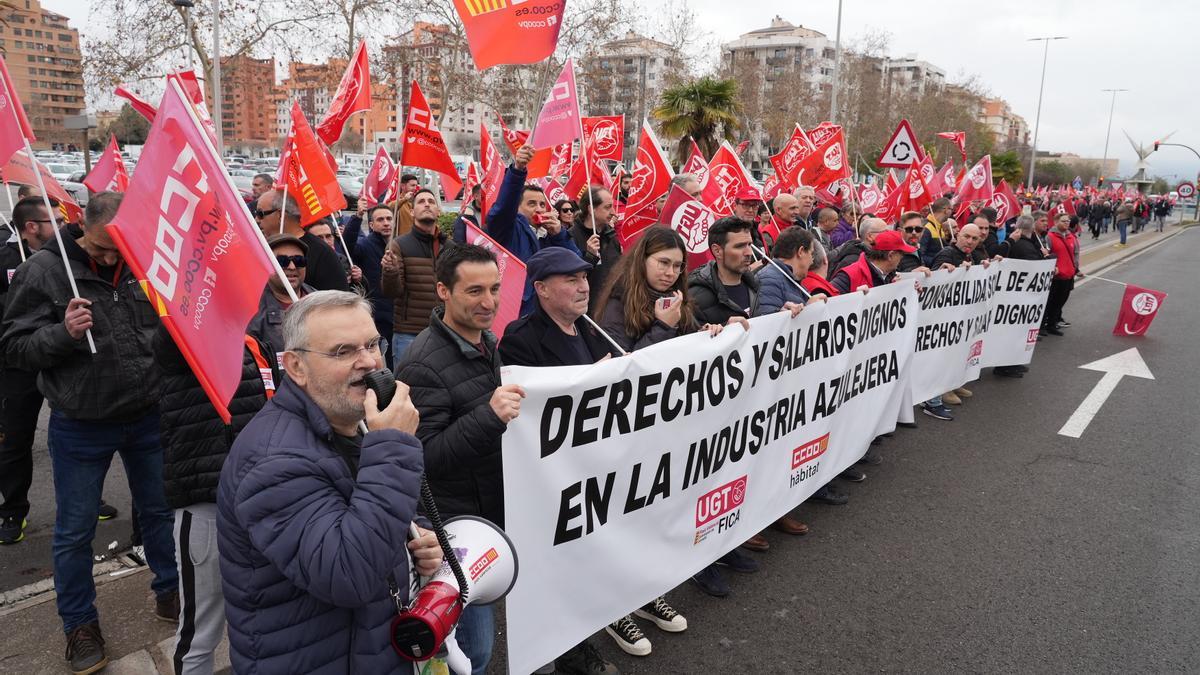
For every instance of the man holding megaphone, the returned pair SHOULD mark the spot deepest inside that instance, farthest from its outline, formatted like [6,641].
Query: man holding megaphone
[314,516]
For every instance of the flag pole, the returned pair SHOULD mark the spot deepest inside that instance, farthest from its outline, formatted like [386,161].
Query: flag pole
[608,337]
[587,165]
[37,173]
[262,239]
[786,273]
[9,222]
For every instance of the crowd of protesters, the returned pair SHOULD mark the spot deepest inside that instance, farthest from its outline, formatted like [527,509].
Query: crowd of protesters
[286,526]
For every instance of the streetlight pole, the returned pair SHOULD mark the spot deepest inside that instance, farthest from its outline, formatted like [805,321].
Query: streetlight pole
[1041,90]
[1197,154]
[837,66]
[1108,134]
[216,75]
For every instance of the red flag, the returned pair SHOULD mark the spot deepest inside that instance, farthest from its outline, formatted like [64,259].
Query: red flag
[870,197]
[891,182]
[559,122]
[605,137]
[691,220]
[698,167]
[651,178]
[914,194]
[471,181]
[492,171]
[944,181]
[1065,207]
[977,184]
[109,173]
[422,142]
[502,32]
[577,180]
[514,138]
[553,189]
[560,160]
[1139,306]
[836,194]
[787,163]
[772,188]
[826,164]
[195,93]
[14,126]
[1005,202]
[823,132]
[451,185]
[512,279]
[959,138]
[144,107]
[892,205]
[353,95]
[311,179]
[21,170]
[741,148]
[379,179]
[181,200]
[727,173]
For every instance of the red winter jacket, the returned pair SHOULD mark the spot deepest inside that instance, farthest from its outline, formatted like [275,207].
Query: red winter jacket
[1063,248]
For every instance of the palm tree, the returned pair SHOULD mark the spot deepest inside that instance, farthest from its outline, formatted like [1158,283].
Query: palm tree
[1007,165]
[705,110]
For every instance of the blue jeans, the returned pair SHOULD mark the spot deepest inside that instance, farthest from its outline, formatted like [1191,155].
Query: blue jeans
[81,453]
[1123,228]
[400,343]
[476,634]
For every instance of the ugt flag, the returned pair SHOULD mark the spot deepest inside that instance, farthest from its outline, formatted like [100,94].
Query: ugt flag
[382,175]
[512,278]
[510,31]
[1138,309]
[109,174]
[186,234]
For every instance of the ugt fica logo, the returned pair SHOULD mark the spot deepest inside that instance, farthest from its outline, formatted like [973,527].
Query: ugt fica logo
[718,511]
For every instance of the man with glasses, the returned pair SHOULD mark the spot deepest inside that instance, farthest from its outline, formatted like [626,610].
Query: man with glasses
[20,400]
[313,515]
[911,226]
[102,404]
[267,324]
[325,270]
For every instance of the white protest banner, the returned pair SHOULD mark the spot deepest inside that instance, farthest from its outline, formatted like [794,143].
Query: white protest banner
[1017,308]
[623,478]
[951,323]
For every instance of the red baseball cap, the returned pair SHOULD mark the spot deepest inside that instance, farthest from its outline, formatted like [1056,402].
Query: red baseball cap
[748,194]
[892,240]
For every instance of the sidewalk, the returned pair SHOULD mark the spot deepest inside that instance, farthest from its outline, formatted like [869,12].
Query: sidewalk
[1103,254]
[135,641]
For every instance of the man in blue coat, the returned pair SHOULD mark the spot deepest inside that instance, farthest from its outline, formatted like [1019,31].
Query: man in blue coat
[522,220]
[313,516]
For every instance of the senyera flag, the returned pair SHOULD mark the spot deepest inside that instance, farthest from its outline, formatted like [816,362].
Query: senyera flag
[423,144]
[512,279]
[14,126]
[186,234]
[691,220]
[311,179]
[109,174]
[1139,306]
[650,179]
[518,32]
[379,179]
[22,170]
[353,95]
[559,121]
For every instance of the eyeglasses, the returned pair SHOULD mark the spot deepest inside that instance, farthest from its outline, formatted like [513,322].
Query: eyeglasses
[665,264]
[260,214]
[345,353]
[913,229]
[298,260]
[566,209]
[35,220]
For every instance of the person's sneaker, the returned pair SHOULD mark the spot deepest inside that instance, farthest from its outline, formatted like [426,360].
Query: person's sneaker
[738,562]
[827,495]
[166,607]
[711,581]
[12,529]
[106,511]
[584,659]
[1063,323]
[85,649]
[939,412]
[871,458]
[1054,331]
[628,637]
[951,398]
[963,392]
[663,615]
[853,475]
[1023,369]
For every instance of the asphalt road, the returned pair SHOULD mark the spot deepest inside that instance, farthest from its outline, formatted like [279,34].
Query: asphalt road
[986,544]
[990,543]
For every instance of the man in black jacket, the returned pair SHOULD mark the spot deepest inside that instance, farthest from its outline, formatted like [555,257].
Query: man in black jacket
[725,288]
[102,404]
[367,250]
[964,249]
[851,251]
[20,400]
[453,371]
[195,442]
[325,271]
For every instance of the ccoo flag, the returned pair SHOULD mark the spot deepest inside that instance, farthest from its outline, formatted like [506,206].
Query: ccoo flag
[559,121]
[510,32]
[186,234]
[422,143]
[1139,306]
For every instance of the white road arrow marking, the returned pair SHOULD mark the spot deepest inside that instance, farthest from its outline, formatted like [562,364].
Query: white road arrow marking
[1128,362]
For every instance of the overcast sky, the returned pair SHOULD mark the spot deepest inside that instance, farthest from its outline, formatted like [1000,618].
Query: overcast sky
[1149,48]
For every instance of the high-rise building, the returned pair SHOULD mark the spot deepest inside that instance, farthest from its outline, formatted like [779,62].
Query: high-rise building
[912,75]
[626,77]
[42,53]
[1008,128]
[249,99]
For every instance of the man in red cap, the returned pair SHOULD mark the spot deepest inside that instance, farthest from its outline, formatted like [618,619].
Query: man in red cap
[874,267]
[745,206]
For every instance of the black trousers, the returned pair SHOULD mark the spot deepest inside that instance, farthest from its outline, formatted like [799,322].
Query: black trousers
[1060,291]
[20,404]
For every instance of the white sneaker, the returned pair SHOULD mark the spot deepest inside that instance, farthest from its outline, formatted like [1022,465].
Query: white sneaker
[663,615]
[628,636]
